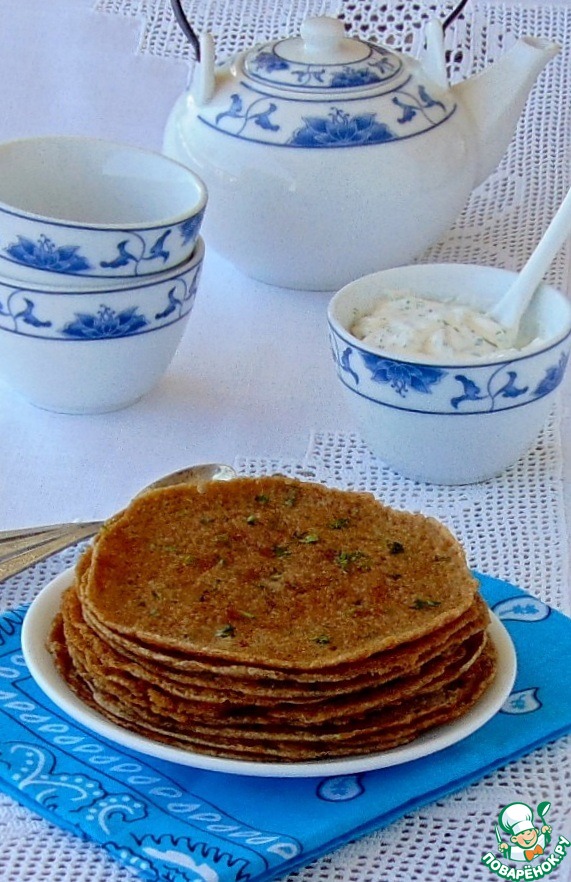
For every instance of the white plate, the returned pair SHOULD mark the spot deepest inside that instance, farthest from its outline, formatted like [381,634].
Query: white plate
[41,666]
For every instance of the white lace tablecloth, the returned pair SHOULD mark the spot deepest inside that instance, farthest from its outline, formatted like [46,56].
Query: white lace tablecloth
[268,408]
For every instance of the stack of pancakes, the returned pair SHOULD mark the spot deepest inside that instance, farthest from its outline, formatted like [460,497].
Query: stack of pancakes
[273,619]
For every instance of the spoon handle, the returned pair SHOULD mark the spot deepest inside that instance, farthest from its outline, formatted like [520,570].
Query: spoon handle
[20,552]
[511,307]
[36,535]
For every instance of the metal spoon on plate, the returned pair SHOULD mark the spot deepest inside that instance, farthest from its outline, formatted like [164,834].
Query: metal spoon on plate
[510,309]
[20,549]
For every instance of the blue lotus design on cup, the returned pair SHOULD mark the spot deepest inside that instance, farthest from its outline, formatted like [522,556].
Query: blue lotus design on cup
[105,323]
[45,254]
[401,376]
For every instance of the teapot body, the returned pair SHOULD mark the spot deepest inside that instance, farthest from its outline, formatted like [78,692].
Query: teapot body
[317,173]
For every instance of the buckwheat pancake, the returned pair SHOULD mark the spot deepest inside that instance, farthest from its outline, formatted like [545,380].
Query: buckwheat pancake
[345,676]
[289,745]
[183,701]
[341,678]
[274,572]
[274,619]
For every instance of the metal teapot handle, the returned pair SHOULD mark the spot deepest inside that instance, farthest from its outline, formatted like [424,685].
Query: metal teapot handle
[454,14]
[192,37]
[186,27]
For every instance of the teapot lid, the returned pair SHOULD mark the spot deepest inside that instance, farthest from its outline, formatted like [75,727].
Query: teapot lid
[322,59]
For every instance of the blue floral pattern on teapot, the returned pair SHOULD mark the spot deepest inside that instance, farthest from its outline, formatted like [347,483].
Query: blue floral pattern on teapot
[256,117]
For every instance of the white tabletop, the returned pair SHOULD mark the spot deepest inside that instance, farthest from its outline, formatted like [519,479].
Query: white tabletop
[234,388]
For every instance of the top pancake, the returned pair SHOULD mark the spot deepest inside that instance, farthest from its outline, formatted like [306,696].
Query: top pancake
[275,573]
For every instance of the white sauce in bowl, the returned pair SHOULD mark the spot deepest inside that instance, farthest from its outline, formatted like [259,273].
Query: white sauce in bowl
[404,323]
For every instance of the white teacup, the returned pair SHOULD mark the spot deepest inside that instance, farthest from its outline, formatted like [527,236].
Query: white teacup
[77,210]
[78,351]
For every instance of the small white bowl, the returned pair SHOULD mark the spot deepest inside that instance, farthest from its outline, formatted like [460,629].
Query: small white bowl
[442,422]
[82,352]
[75,208]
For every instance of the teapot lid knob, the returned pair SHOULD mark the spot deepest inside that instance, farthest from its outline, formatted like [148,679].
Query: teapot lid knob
[322,34]
[323,41]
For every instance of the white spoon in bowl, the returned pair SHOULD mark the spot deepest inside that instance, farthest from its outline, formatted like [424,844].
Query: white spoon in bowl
[509,310]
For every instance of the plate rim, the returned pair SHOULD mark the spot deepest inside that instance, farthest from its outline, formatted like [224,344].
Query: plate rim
[42,669]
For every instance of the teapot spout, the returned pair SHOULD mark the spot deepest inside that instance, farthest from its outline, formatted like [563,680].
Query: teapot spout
[496,97]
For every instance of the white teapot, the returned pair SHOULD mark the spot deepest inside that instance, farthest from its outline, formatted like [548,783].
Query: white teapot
[327,158]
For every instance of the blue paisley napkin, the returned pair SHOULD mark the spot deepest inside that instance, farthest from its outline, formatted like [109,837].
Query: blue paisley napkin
[167,822]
